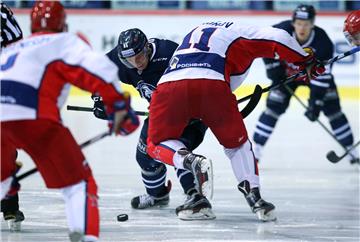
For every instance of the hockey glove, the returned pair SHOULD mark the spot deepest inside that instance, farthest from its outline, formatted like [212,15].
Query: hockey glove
[123,121]
[311,66]
[99,107]
[313,111]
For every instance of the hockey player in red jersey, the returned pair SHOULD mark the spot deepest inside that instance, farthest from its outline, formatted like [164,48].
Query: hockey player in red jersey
[211,62]
[36,74]
[352,28]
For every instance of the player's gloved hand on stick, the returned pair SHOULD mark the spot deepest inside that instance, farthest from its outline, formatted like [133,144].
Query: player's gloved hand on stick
[99,107]
[312,67]
[123,120]
[314,108]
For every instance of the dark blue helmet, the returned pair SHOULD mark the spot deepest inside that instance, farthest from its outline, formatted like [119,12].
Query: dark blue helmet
[304,12]
[131,42]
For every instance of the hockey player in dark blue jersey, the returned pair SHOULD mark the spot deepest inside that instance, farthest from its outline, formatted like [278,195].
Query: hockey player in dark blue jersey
[323,91]
[141,63]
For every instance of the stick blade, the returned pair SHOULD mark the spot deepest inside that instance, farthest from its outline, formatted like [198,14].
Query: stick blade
[332,157]
[254,100]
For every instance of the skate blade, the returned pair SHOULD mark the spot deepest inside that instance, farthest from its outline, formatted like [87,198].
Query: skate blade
[203,214]
[269,216]
[14,226]
[207,187]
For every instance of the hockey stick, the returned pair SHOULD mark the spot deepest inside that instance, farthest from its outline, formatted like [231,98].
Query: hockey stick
[343,55]
[88,109]
[334,158]
[83,145]
[254,100]
[293,77]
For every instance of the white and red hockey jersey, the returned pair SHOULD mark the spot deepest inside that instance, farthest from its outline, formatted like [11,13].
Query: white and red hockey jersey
[226,50]
[36,74]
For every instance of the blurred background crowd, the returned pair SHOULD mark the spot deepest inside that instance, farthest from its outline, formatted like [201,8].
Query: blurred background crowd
[276,5]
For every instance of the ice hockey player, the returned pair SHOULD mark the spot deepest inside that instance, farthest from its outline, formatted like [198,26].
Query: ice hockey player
[352,28]
[36,74]
[141,63]
[10,33]
[212,60]
[323,91]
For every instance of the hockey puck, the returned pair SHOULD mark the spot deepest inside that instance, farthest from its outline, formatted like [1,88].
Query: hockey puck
[122,217]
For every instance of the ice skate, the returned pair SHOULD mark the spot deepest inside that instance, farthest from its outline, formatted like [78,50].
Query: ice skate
[147,201]
[196,207]
[14,220]
[265,211]
[202,169]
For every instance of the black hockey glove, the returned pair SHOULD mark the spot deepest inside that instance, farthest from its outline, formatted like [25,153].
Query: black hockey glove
[99,108]
[313,111]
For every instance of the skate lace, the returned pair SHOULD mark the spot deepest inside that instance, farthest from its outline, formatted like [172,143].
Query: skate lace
[146,200]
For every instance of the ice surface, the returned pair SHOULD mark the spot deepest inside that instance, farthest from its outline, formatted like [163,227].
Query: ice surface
[315,199]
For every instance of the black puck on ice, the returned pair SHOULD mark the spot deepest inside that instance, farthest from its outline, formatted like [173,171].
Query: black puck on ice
[122,217]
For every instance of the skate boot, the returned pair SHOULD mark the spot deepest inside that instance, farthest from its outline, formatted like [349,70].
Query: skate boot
[196,207]
[265,211]
[14,220]
[147,201]
[201,168]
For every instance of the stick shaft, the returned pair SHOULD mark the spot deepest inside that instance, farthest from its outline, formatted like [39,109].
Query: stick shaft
[88,109]
[293,77]
[83,145]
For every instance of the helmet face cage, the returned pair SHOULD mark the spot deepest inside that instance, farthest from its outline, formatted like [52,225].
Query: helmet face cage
[131,42]
[304,12]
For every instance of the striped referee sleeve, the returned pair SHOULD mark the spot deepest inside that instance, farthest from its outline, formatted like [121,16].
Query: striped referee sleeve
[10,29]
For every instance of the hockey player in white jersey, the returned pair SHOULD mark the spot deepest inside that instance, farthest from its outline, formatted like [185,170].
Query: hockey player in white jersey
[36,74]
[10,33]
[212,60]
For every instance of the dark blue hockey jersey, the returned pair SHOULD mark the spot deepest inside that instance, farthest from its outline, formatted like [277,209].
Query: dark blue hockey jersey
[318,41]
[145,81]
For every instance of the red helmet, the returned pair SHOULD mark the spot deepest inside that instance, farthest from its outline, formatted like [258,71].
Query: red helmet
[48,16]
[352,23]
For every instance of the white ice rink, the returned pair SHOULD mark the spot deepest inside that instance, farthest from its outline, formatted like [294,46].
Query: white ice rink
[315,199]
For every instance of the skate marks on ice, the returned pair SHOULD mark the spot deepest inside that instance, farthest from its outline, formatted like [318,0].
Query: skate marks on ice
[324,215]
